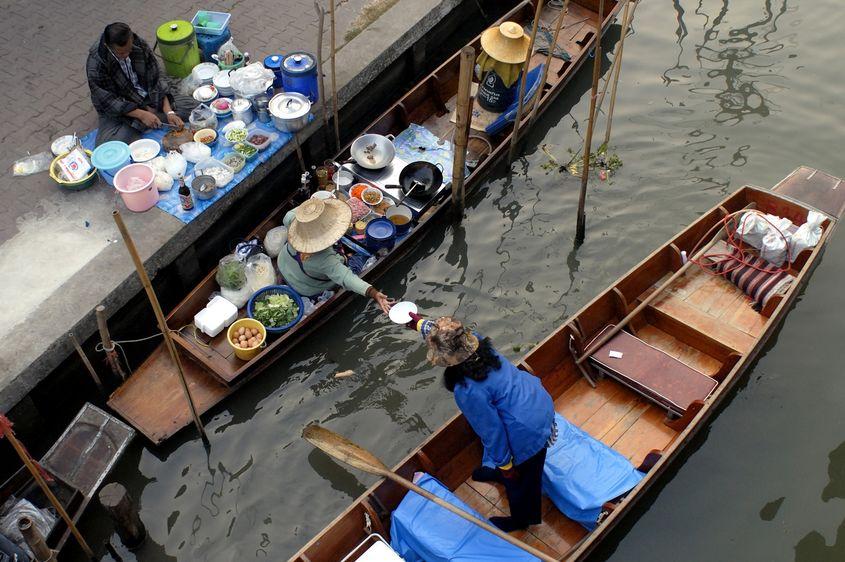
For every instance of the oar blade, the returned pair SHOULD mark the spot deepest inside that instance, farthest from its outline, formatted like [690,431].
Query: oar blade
[343,449]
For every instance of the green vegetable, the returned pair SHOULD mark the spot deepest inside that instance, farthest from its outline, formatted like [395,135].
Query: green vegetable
[236,135]
[231,275]
[245,149]
[275,310]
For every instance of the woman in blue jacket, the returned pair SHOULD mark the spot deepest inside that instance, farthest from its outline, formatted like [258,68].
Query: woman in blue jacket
[508,408]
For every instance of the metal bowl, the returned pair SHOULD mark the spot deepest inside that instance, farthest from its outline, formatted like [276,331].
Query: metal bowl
[203,187]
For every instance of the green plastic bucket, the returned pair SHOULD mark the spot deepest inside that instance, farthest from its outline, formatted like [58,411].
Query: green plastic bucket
[177,44]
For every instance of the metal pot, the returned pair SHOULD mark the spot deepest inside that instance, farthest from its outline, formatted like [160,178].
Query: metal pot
[372,151]
[242,111]
[290,111]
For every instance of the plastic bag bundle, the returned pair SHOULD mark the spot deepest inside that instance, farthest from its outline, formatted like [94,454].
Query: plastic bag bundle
[274,240]
[752,227]
[773,247]
[251,80]
[41,518]
[260,272]
[231,276]
[202,117]
[807,235]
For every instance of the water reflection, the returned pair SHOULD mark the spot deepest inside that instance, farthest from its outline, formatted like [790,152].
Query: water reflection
[836,472]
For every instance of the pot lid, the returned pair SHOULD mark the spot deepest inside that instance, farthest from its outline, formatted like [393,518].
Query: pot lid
[381,229]
[110,155]
[298,63]
[273,62]
[289,105]
[175,32]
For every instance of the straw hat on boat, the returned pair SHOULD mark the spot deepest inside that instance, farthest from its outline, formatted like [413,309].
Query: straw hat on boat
[319,223]
[450,343]
[506,43]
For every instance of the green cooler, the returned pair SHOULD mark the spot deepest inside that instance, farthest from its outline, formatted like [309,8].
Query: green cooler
[177,44]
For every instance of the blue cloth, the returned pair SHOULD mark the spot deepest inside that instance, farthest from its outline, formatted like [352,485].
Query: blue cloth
[582,473]
[421,530]
[510,411]
[169,200]
[418,143]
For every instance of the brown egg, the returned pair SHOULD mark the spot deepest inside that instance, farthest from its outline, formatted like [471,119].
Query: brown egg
[241,331]
[254,332]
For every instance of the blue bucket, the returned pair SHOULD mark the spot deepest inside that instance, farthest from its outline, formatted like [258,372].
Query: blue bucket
[299,74]
[274,64]
[380,233]
[276,290]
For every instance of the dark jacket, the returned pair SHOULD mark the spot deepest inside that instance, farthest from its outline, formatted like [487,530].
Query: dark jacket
[112,92]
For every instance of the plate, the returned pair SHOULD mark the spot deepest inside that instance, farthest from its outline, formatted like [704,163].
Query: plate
[400,313]
[144,150]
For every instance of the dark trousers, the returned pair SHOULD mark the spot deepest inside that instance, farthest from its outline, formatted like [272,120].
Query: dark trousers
[525,491]
[128,130]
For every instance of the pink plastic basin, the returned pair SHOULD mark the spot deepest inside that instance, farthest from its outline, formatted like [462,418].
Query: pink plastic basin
[135,184]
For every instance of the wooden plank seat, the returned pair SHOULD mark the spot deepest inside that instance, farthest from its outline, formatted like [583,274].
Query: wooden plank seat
[654,374]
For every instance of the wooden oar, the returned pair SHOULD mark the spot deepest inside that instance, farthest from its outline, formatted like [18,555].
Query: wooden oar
[647,301]
[354,455]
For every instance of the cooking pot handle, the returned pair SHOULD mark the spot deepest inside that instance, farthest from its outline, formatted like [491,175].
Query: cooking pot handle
[391,138]
[439,165]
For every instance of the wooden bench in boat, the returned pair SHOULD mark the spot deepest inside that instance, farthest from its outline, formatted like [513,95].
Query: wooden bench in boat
[652,372]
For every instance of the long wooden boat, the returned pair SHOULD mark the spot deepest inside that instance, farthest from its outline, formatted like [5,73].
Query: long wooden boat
[213,371]
[701,323]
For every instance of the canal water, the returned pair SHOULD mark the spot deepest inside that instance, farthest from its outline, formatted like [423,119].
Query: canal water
[713,95]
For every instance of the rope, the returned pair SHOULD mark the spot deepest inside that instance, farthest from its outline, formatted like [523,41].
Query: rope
[117,343]
[745,257]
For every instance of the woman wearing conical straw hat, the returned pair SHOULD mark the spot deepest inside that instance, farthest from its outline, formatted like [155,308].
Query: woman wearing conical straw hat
[310,262]
[504,49]
[508,408]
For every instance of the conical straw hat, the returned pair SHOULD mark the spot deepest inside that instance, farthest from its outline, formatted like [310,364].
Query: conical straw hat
[506,43]
[319,223]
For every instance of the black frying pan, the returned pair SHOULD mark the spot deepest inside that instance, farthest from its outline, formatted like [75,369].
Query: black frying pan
[420,179]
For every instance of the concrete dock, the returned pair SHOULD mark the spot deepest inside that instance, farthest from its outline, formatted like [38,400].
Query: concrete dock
[60,251]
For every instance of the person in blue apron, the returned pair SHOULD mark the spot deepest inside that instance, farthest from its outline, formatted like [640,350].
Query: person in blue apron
[508,408]
[311,262]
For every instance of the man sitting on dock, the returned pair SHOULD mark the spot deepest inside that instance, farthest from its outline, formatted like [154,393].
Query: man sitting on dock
[127,89]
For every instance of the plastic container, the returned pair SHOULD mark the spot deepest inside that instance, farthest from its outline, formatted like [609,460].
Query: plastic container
[177,44]
[275,290]
[246,150]
[144,150]
[211,23]
[380,233]
[141,197]
[299,74]
[217,314]
[79,185]
[247,354]
[111,156]
[223,178]
[400,211]
[228,159]
[254,136]
[274,63]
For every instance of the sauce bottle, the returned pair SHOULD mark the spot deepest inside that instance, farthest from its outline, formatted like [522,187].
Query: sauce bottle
[185,198]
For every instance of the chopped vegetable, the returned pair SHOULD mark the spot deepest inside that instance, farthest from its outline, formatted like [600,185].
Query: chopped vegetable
[246,150]
[236,135]
[275,310]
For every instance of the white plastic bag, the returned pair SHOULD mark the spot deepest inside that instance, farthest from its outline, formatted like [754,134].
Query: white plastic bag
[260,272]
[32,164]
[807,235]
[773,247]
[251,80]
[274,240]
[752,227]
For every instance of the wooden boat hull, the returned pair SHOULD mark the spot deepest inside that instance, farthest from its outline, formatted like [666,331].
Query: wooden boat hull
[213,372]
[722,342]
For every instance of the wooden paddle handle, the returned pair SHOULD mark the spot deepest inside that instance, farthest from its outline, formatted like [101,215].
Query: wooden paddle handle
[471,518]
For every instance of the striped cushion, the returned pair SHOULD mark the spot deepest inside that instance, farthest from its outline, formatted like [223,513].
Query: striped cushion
[760,286]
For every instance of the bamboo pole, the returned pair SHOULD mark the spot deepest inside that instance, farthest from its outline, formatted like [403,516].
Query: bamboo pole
[39,479]
[321,83]
[626,24]
[521,99]
[535,104]
[108,345]
[299,155]
[162,323]
[581,225]
[332,5]
[87,363]
[463,118]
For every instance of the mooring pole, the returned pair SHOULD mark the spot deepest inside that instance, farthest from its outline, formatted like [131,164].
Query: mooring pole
[332,6]
[6,430]
[627,18]
[535,105]
[463,119]
[108,345]
[87,363]
[162,323]
[321,83]
[581,225]
[523,80]
[124,513]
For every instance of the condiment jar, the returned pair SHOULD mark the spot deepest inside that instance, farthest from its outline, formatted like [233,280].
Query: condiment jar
[242,110]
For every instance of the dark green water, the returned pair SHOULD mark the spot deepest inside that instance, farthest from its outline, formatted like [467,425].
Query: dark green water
[713,95]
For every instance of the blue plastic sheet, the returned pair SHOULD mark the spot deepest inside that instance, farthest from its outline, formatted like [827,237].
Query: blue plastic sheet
[582,473]
[421,530]
[169,200]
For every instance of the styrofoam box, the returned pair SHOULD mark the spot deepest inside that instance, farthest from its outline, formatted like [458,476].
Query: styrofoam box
[219,313]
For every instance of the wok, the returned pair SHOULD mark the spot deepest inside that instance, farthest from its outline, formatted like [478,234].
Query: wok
[372,151]
[421,179]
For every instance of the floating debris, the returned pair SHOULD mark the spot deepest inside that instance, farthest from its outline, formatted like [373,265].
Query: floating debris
[344,374]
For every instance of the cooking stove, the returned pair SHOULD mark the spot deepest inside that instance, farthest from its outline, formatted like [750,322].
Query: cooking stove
[387,180]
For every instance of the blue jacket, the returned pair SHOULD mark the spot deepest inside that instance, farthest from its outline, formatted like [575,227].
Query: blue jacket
[510,411]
